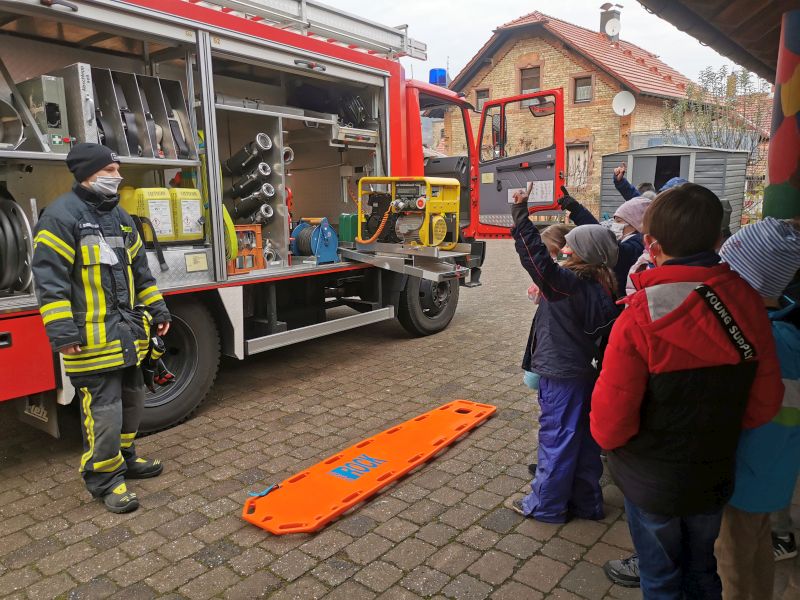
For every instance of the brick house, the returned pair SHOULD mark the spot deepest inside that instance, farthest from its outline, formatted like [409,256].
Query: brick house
[537,51]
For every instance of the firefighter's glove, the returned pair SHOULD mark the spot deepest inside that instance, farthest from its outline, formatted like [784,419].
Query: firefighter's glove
[154,370]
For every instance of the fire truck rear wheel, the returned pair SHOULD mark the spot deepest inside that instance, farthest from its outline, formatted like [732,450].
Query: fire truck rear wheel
[427,307]
[193,356]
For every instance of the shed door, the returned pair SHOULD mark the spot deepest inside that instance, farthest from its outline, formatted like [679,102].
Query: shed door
[521,146]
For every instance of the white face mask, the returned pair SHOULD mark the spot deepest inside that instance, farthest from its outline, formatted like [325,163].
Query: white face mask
[617,229]
[106,185]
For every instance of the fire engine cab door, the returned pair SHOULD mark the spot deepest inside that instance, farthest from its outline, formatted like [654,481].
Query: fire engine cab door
[520,147]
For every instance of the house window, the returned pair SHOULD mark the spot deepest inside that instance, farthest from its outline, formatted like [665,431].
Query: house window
[529,82]
[583,89]
[481,96]
[577,166]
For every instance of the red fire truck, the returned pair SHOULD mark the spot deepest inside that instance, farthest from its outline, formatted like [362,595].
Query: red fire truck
[265,146]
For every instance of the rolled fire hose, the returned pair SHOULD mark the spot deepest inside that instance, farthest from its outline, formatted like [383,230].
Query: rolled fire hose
[253,202]
[16,245]
[11,129]
[239,162]
[263,214]
[231,241]
[288,155]
[247,184]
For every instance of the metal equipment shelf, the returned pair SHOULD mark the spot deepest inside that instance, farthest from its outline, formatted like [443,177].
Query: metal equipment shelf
[274,113]
[166,163]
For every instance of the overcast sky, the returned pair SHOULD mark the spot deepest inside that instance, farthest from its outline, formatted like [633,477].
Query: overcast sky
[458,31]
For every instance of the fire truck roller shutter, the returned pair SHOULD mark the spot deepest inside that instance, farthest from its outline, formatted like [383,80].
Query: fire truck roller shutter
[192,354]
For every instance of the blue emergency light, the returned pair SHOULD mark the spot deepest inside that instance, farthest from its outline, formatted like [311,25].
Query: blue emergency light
[438,77]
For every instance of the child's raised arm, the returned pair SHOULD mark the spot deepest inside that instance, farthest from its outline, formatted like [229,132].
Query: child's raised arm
[554,282]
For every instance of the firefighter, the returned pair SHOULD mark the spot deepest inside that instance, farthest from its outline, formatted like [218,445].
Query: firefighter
[100,305]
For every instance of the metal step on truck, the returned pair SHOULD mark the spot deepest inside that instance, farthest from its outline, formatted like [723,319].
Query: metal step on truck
[273,156]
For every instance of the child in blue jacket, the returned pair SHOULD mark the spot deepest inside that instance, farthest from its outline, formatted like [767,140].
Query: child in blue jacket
[767,256]
[576,312]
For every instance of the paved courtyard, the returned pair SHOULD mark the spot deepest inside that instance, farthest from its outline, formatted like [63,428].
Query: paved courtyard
[441,532]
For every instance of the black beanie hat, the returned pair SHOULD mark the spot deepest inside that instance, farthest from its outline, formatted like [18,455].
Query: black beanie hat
[84,160]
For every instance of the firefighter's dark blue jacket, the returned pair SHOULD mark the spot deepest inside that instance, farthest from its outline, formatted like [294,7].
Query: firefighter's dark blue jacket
[84,299]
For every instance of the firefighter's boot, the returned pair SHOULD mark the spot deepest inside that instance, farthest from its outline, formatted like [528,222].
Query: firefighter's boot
[120,500]
[141,468]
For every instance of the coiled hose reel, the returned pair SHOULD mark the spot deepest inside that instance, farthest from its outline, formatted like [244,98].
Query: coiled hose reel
[16,246]
[315,237]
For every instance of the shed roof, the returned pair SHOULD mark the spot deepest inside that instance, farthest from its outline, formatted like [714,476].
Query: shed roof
[639,70]
[676,148]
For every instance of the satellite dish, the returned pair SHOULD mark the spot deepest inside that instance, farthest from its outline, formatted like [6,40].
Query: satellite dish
[613,27]
[623,103]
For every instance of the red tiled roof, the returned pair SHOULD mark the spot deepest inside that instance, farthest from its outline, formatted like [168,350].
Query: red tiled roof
[637,68]
[756,109]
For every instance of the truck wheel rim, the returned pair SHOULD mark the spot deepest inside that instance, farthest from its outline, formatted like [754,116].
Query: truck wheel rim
[434,297]
[180,358]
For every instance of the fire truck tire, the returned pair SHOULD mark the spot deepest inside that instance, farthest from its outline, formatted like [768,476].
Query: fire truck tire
[427,307]
[193,352]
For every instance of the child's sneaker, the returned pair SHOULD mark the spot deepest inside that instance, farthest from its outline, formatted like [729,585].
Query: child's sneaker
[783,546]
[624,572]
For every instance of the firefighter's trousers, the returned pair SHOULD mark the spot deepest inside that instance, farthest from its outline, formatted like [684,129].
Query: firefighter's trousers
[111,409]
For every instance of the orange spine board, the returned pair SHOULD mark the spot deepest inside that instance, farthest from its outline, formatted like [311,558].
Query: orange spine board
[309,500]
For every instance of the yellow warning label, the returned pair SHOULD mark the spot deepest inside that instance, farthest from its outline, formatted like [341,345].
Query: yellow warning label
[196,261]
[487,177]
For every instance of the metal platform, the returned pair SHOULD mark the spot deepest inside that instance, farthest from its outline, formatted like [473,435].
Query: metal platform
[425,262]
[302,334]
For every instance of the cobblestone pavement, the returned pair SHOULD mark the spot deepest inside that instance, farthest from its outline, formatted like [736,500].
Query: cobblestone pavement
[441,532]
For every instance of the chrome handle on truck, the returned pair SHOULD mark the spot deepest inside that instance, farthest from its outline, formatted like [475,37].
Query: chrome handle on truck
[64,3]
[310,64]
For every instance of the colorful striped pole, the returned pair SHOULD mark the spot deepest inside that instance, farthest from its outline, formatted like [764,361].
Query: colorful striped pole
[782,195]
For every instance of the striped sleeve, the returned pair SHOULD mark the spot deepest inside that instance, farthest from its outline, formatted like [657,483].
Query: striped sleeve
[53,259]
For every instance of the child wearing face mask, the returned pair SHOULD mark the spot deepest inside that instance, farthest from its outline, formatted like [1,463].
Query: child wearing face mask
[554,237]
[577,310]
[626,228]
[690,363]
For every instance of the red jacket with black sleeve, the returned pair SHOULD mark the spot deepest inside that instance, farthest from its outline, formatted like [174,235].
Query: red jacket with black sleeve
[689,363]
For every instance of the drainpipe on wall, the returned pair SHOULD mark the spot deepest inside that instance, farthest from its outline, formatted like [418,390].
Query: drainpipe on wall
[782,194]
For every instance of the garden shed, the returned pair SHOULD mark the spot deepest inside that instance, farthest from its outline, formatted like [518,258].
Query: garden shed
[721,171]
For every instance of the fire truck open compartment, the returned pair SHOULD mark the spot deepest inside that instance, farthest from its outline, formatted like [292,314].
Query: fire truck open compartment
[63,53]
[314,165]
[242,139]
[251,95]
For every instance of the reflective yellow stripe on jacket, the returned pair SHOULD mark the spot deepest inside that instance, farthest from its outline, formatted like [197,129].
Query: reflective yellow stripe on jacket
[149,296]
[134,249]
[95,295]
[56,244]
[94,357]
[54,311]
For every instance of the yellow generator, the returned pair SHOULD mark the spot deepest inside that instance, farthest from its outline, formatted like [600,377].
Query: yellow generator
[420,211]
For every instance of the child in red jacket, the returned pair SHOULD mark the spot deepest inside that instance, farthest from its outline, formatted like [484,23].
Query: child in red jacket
[689,363]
